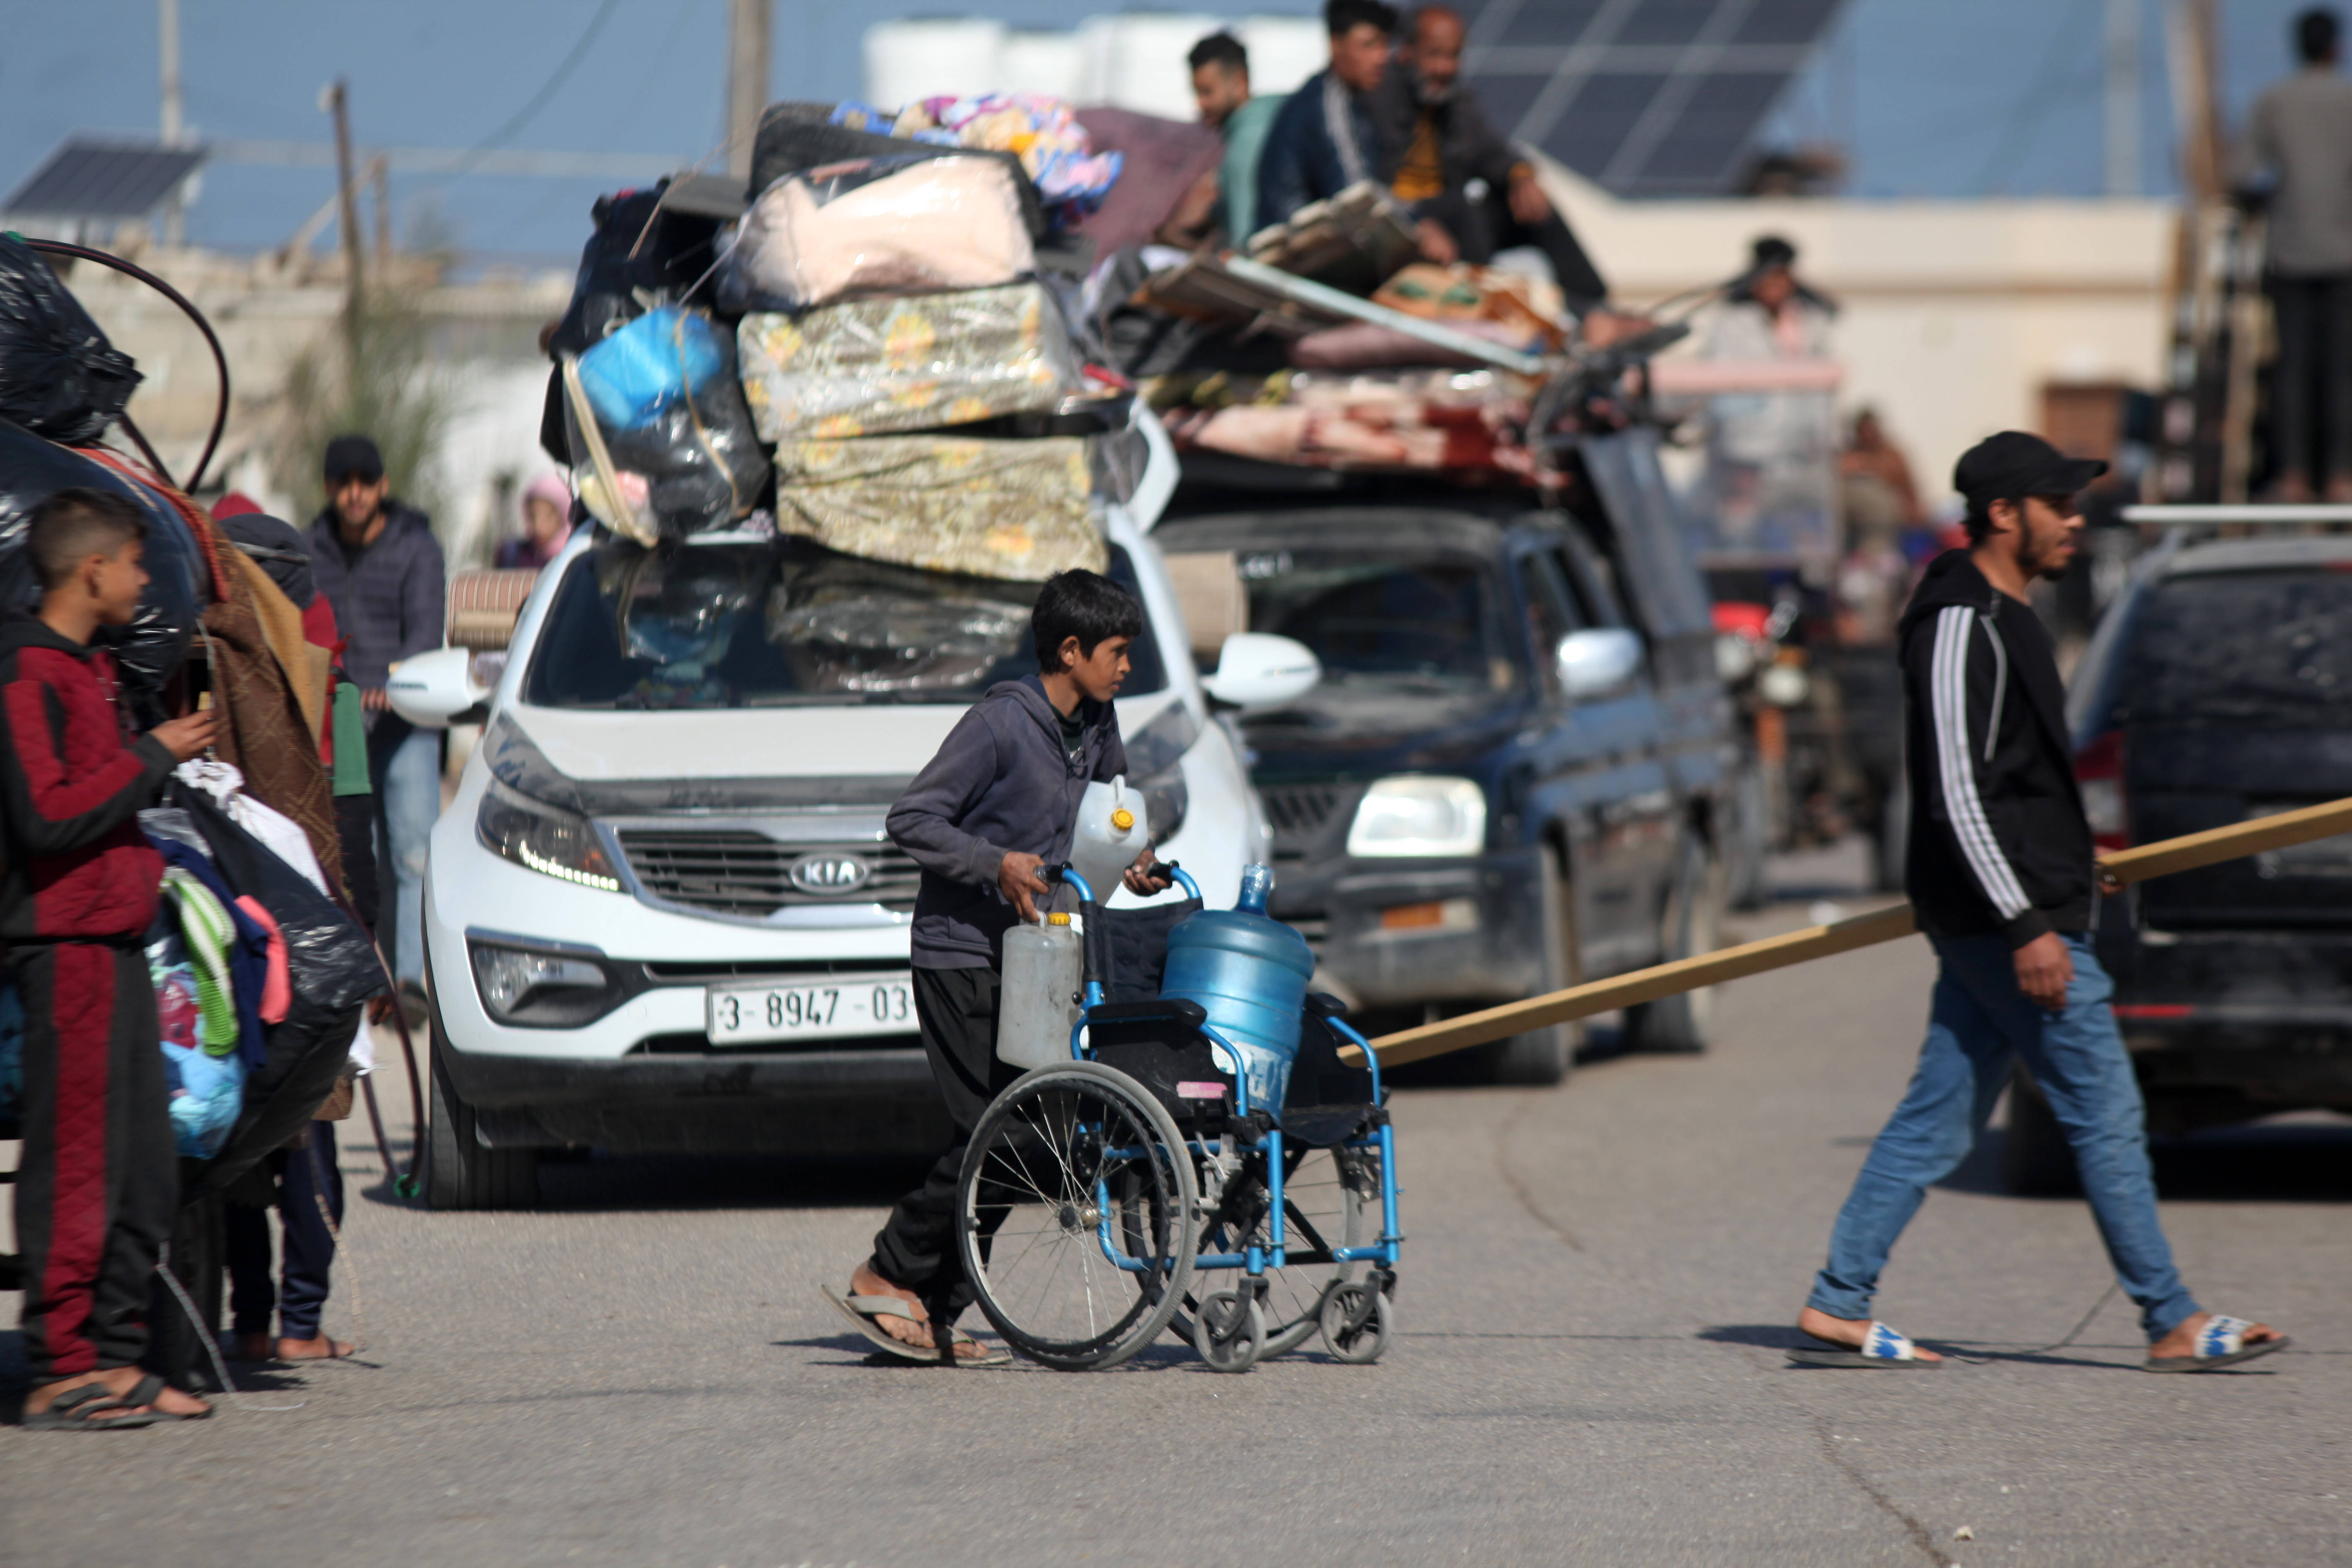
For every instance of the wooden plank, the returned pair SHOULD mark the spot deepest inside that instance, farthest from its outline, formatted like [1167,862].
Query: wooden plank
[2123,865]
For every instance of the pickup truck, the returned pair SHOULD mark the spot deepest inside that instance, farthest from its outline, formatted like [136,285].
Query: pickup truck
[1514,773]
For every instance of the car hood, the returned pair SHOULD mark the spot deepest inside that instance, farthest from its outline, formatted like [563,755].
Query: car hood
[1361,732]
[603,762]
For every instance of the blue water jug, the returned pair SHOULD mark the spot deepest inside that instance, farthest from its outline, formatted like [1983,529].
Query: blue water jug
[1249,973]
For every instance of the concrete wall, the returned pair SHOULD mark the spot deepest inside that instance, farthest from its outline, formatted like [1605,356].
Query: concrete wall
[1955,314]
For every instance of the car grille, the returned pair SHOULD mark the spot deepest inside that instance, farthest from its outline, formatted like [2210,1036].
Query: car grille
[1299,813]
[738,871]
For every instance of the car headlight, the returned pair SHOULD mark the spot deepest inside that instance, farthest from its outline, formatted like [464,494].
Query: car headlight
[550,990]
[1413,814]
[545,838]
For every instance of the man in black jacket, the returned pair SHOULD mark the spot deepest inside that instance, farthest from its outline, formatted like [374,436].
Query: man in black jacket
[2002,878]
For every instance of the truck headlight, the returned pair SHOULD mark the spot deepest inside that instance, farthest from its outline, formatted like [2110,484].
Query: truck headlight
[1414,813]
[545,838]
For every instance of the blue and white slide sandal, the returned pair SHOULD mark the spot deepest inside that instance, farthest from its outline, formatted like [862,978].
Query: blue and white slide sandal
[2221,1342]
[1882,1346]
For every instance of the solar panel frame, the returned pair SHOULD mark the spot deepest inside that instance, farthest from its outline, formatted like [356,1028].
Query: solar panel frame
[99,177]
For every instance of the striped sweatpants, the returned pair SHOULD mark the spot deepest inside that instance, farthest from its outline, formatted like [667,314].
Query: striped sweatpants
[99,1175]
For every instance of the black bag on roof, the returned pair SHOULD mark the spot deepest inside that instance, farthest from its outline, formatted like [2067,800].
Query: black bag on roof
[59,375]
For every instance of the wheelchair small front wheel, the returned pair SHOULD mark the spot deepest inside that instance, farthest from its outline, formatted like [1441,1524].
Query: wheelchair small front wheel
[1229,1331]
[1356,1322]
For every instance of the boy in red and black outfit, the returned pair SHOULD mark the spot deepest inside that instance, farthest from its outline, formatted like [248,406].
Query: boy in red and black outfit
[98,1182]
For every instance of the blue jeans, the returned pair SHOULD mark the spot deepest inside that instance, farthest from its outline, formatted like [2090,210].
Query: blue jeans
[412,803]
[1978,1020]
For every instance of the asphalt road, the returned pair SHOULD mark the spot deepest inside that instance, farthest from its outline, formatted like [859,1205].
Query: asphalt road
[1587,1367]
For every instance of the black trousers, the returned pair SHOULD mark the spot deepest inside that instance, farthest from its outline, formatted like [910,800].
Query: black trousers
[99,1178]
[309,1241]
[2311,388]
[916,1245]
[1480,227]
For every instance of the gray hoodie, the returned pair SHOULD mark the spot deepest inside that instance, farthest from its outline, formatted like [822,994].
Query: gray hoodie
[1002,784]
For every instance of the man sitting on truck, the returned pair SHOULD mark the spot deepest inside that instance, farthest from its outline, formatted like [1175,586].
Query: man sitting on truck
[999,802]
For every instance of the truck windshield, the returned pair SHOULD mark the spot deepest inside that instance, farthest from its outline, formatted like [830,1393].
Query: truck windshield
[775,623]
[1418,620]
[2243,645]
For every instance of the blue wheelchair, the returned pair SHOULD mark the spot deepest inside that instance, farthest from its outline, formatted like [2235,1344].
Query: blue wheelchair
[1107,1199]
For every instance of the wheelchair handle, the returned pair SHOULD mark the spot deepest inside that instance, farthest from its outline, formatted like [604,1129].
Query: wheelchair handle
[1098,970]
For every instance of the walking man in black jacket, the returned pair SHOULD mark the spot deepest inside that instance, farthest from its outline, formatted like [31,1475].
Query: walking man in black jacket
[2002,878]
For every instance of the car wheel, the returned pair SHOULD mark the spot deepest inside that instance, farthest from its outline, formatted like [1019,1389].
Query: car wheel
[1543,1057]
[1679,1023]
[2036,1161]
[460,1173]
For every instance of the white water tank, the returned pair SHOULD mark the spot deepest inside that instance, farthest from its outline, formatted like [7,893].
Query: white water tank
[1050,63]
[906,60]
[1282,50]
[1138,61]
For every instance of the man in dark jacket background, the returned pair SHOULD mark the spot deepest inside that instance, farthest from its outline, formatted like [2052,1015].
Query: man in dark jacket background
[380,567]
[2000,874]
[998,802]
[1460,174]
[1325,138]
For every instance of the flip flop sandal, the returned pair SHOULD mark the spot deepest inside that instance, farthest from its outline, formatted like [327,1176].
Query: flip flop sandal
[2221,1342]
[84,1409]
[1881,1347]
[863,1310]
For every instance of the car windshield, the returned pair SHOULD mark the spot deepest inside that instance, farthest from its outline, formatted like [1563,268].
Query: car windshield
[780,622]
[2241,645]
[1422,619]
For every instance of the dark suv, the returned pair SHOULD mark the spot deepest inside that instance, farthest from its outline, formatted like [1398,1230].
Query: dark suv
[2218,688]
[1511,775]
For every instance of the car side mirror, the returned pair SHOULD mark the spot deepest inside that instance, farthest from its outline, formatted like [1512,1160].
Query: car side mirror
[1257,669]
[1598,662]
[432,690]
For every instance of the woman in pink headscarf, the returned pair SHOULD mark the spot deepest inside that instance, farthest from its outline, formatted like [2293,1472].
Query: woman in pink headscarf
[546,524]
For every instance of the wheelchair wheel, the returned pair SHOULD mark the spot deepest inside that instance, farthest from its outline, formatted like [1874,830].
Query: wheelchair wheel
[1075,1210]
[1354,1322]
[1331,1198]
[1230,1329]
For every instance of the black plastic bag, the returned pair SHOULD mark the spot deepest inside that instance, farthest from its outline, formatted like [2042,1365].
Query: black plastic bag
[59,375]
[642,252]
[330,961]
[150,647]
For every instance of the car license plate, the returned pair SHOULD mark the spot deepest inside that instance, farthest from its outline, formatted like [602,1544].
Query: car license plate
[820,1009]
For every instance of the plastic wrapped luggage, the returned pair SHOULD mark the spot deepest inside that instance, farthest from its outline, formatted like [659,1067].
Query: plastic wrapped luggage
[903,224]
[869,367]
[797,137]
[149,649]
[661,440]
[1007,509]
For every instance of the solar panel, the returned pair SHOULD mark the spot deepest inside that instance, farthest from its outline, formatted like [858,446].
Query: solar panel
[1644,97]
[87,177]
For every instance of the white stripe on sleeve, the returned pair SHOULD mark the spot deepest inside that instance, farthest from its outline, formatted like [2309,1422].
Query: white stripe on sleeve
[1949,689]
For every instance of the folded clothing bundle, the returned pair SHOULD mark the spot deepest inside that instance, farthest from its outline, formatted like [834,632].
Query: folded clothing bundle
[877,225]
[869,367]
[1007,509]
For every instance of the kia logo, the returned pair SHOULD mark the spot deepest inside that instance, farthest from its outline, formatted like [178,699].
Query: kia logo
[830,873]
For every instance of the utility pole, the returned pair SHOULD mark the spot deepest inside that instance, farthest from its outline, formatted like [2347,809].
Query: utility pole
[338,98]
[749,26]
[167,41]
[380,186]
[2123,98]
